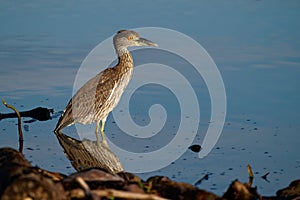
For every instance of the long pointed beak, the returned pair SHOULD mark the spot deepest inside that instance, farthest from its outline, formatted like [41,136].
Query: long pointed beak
[145,42]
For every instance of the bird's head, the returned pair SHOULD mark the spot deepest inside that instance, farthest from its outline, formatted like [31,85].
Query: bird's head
[128,38]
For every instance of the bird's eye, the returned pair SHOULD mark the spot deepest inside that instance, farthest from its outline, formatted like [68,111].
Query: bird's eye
[130,37]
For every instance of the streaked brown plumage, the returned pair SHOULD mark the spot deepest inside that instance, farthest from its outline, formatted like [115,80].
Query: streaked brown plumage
[101,94]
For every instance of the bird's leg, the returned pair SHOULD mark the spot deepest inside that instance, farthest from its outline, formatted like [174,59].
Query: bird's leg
[102,132]
[97,131]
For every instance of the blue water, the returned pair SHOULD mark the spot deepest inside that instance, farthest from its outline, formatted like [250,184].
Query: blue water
[255,44]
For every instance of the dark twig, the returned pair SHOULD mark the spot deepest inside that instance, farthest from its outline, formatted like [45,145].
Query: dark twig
[265,177]
[85,187]
[205,177]
[19,124]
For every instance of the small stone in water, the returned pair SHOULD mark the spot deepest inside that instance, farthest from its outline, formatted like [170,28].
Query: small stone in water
[195,148]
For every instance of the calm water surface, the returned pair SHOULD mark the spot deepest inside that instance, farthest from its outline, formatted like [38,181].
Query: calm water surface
[255,44]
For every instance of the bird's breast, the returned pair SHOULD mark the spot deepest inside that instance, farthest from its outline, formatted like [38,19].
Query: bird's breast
[120,85]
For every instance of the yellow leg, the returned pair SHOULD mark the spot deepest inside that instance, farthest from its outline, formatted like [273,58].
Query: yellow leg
[102,125]
[102,132]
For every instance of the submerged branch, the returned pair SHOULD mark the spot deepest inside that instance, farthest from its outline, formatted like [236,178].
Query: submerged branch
[39,113]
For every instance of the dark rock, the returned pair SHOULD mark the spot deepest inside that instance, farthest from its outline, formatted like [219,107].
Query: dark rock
[19,180]
[240,191]
[195,148]
[176,190]
[95,178]
[290,192]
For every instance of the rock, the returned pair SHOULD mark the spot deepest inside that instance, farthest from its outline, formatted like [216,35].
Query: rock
[96,179]
[195,148]
[175,190]
[19,180]
[290,192]
[240,191]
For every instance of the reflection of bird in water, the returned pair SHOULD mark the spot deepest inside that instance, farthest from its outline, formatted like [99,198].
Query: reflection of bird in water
[101,94]
[86,154]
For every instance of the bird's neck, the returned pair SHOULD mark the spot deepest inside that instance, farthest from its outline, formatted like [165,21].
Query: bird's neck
[125,58]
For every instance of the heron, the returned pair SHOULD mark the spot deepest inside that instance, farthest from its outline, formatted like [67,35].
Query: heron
[100,95]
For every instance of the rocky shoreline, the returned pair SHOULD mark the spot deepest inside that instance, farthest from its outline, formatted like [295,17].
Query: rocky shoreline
[20,180]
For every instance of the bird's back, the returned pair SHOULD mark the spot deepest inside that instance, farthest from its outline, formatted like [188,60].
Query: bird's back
[96,98]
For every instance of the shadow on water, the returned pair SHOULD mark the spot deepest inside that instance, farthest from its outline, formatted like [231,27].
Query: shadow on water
[39,113]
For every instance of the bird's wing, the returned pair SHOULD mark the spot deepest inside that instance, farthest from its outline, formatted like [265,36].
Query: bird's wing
[89,98]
